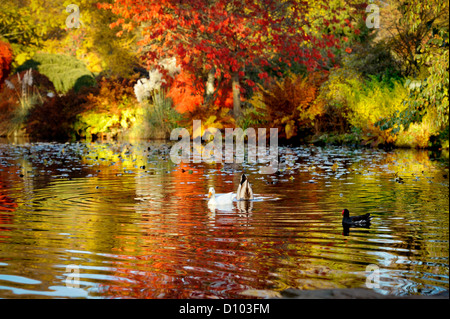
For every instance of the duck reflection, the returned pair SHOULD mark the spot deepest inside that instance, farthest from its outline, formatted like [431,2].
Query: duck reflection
[245,206]
[346,228]
[239,216]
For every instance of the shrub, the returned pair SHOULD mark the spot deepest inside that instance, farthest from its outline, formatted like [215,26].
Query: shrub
[213,115]
[22,92]
[366,104]
[423,134]
[417,136]
[291,104]
[65,72]
[430,95]
[53,120]
[373,59]
[109,111]
[156,117]
[93,124]
[253,115]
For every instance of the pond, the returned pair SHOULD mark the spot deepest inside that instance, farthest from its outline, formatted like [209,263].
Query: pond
[129,223]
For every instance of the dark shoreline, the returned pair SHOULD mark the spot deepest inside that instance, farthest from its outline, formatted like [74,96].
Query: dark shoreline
[351,293]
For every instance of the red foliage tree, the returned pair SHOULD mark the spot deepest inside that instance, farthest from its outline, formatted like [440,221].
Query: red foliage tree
[6,57]
[224,37]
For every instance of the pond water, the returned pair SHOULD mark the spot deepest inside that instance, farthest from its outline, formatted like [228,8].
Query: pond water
[132,224]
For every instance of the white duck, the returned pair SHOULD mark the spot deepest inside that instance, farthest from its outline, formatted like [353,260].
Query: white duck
[220,200]
[244,191]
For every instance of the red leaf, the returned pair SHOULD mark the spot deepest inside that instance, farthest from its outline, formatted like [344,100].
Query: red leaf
[250,83]
[221,34]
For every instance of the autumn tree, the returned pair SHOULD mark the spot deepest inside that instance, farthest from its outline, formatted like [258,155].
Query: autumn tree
[18,27]
[5,61]
[221,40]
[35,25]
[407,26]
[417,33]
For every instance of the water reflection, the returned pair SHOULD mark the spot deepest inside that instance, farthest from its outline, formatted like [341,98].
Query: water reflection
[245,206]
[139,226]
[346,228]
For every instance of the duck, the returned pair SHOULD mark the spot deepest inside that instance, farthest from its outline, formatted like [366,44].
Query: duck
[356,221]
[398,179]
[244,191]
[220,200]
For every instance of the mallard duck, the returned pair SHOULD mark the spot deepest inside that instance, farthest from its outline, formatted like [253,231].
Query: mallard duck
[219,200]
[244,191]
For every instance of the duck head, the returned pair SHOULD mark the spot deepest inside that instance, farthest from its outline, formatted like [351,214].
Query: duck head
[211,192]
[345,213]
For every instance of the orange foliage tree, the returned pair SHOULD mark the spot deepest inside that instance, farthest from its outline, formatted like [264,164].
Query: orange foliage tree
[6,56]
[187,97]
[292,105]
[225,38]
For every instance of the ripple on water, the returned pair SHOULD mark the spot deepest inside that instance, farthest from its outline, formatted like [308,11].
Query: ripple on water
[138,226]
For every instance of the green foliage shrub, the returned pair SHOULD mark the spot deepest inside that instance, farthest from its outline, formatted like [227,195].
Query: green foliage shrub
[373,60]
[254,114]
[156,117]
[65,72]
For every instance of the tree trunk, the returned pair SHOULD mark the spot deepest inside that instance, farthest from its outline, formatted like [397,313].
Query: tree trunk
[236,95]
[210,86]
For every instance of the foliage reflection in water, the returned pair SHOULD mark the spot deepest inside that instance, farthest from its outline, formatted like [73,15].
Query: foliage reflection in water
[138,226]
